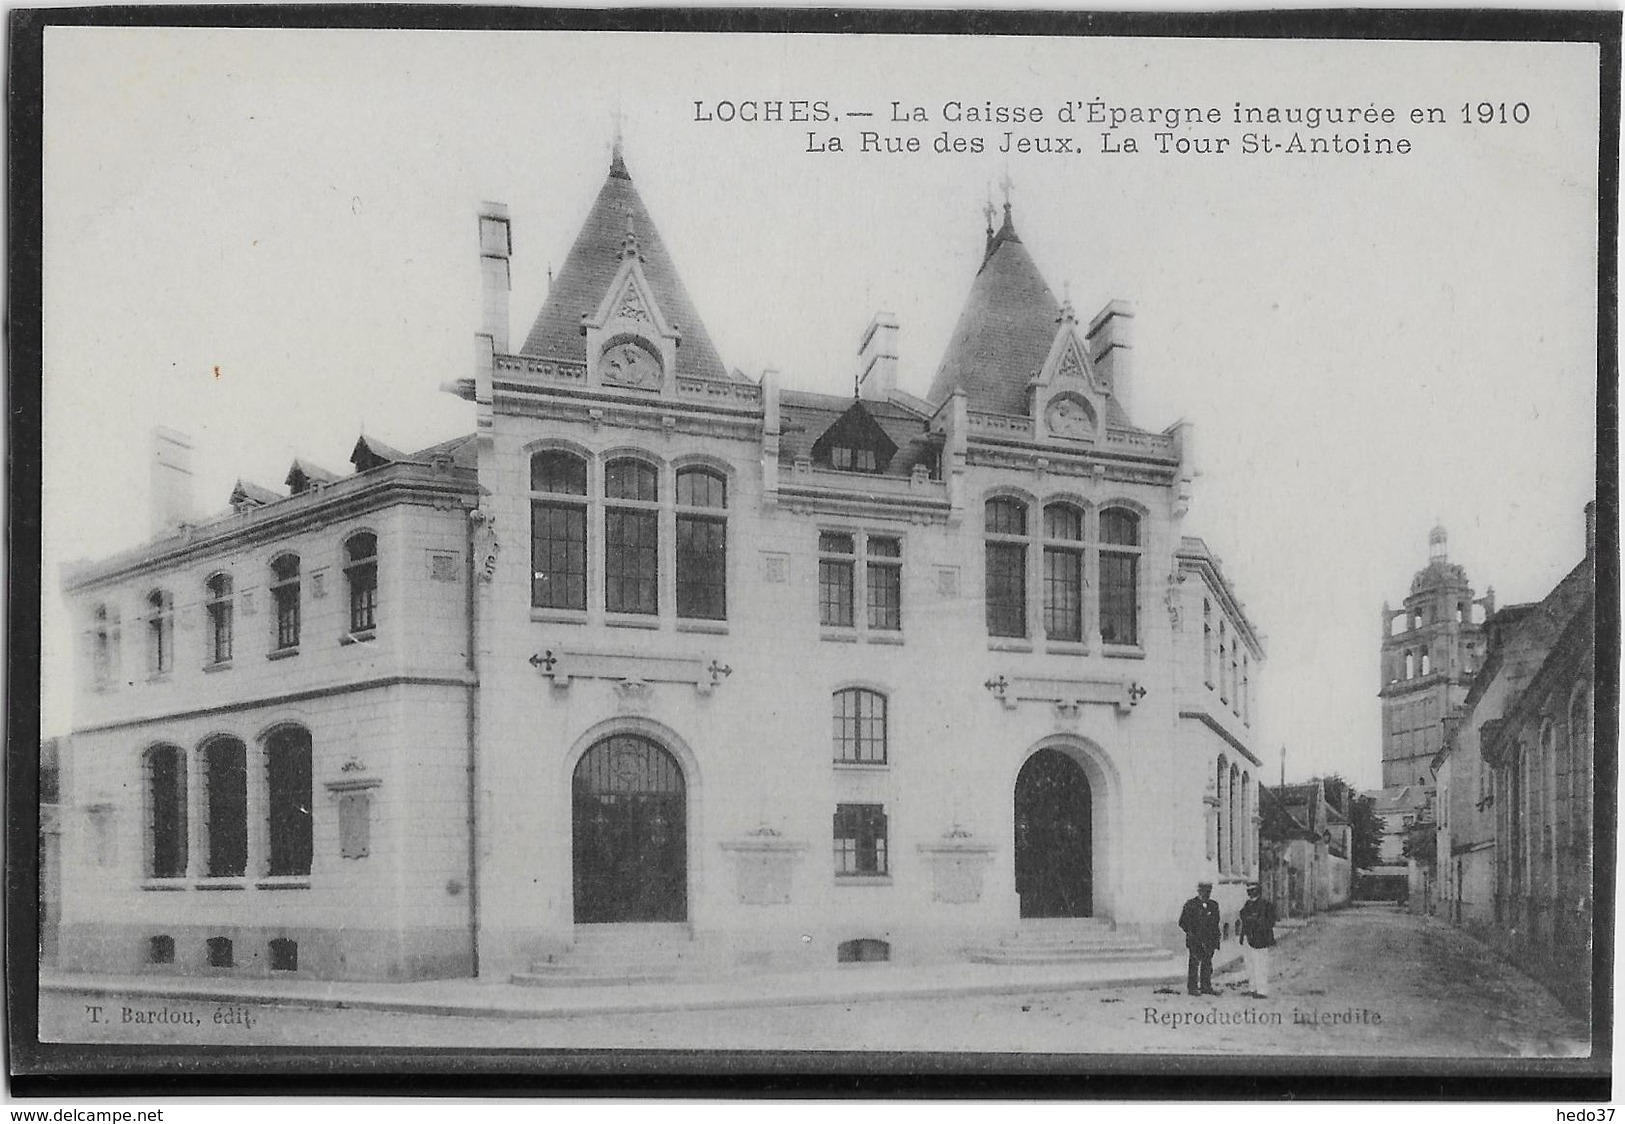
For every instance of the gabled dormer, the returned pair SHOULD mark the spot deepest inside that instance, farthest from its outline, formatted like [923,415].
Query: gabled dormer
[370,453]
[630,342]
[245,495]
[1068,397]
[304,476]
[854,442]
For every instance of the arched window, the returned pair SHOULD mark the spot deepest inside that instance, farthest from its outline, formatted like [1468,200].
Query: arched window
[558,531]
[288,798]
[1224,647]
[361,575]
[1427,662]
[860,727]
[631,537]
[1580,769]
[1410,665]
[285,597]
[1006,524]
[103,644]
[1222,792]
[702,544]
[1063,572]
[1119,576]
[1236,827]
[160,632]
[225,808]
[166,812]
[1246,690]
[217,593]
[1235,674]
[1207,642]
[1245,819]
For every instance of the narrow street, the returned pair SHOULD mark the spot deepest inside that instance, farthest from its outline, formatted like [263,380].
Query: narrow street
[1364,981]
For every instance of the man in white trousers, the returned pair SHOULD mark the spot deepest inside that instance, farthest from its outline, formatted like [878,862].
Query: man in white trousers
[1258,937]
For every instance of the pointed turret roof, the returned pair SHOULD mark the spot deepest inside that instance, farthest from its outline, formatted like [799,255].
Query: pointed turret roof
[590,268]
[1004,332]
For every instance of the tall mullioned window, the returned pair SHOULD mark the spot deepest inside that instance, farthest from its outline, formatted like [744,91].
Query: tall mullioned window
[160,632]
[837,555]
[288,792]
[166,811]
[702,544]
[217,593]
[361,574]
[883,574]
[285,599]
[1006,547]
[558,531]
[1063,572]
[225,808]
[1119,576]
[631,537]
[860,727]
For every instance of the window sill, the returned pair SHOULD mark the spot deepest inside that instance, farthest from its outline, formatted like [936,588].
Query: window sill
[888,636]
[559,616]
[222,665]
[861,767]
[283,653]
[220,884]
[838,634]
[1066,648]
[1009,644]
[716,628]
[1122,651]
[359,637]
[283,882]
[164,885]
[631,620]
[159,677]
[863,880]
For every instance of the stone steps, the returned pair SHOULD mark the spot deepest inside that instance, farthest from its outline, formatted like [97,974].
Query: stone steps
[1066,941]
[616,954]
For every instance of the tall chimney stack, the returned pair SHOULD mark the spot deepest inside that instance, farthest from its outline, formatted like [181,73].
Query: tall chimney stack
[496,246]
[1111,344]
[877,359]
[171,481]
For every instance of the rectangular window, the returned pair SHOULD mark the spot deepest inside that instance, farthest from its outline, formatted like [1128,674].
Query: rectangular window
[287,615]
[220,953]
[1006,589]
[1119,598]
[631,561]
[835,580]
[702,568]
[363,597]
[1063,594]
[220,631]
[860,839]
[885,580]
[558,556]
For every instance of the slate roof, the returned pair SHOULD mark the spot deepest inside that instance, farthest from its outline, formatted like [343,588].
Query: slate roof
[1004,331]
[250,493]
[804,416]
[582,283]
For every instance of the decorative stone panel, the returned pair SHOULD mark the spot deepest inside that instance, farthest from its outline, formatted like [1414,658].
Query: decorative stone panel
[764,863]
[958,863]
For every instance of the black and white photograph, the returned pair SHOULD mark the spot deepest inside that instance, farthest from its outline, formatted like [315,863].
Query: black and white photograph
[1038,543]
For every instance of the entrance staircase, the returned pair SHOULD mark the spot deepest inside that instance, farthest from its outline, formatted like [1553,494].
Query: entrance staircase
[1068,940]
[617,954]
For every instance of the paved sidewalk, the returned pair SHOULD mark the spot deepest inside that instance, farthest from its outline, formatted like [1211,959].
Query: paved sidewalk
[477,998]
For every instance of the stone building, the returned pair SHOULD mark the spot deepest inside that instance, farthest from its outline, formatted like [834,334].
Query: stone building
[1431,647]
[1311,843]
[664,664]
[1517,769]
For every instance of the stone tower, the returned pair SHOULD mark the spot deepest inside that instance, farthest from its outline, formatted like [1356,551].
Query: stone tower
[1431,648]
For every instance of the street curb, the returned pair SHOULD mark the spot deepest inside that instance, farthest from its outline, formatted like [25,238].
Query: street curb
[610,1006]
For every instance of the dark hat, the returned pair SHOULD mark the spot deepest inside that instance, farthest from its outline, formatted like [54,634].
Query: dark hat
[1254,888]
[1209,885]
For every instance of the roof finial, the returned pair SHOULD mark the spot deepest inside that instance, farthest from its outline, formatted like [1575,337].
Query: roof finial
[1006,183]
[1067,315]
[617,164]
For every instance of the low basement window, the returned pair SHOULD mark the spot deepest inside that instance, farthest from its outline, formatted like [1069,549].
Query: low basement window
[161,950]
[863,950]
[220,953]
[284,955]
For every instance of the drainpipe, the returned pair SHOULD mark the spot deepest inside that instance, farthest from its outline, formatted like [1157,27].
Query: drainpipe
[472,695]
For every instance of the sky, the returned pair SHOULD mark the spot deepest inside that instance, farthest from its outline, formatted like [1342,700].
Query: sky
[267,240]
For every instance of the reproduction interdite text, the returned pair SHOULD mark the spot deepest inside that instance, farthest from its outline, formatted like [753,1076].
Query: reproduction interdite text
[1101,127]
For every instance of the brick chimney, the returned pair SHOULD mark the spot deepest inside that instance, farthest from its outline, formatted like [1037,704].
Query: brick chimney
[171,481]
[496,245]
[1111,343]
[877,359]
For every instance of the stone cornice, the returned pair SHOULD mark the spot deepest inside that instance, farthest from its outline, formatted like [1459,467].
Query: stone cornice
[403,482]
[1201,561]
[1217,727]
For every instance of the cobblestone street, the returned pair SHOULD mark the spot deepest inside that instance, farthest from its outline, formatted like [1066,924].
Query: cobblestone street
[1366,981]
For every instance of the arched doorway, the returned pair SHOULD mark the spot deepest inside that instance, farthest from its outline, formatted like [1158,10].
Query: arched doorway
[1054,837]
[629,838]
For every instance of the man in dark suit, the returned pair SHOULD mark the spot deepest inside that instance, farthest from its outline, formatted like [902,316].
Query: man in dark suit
[1200,920]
